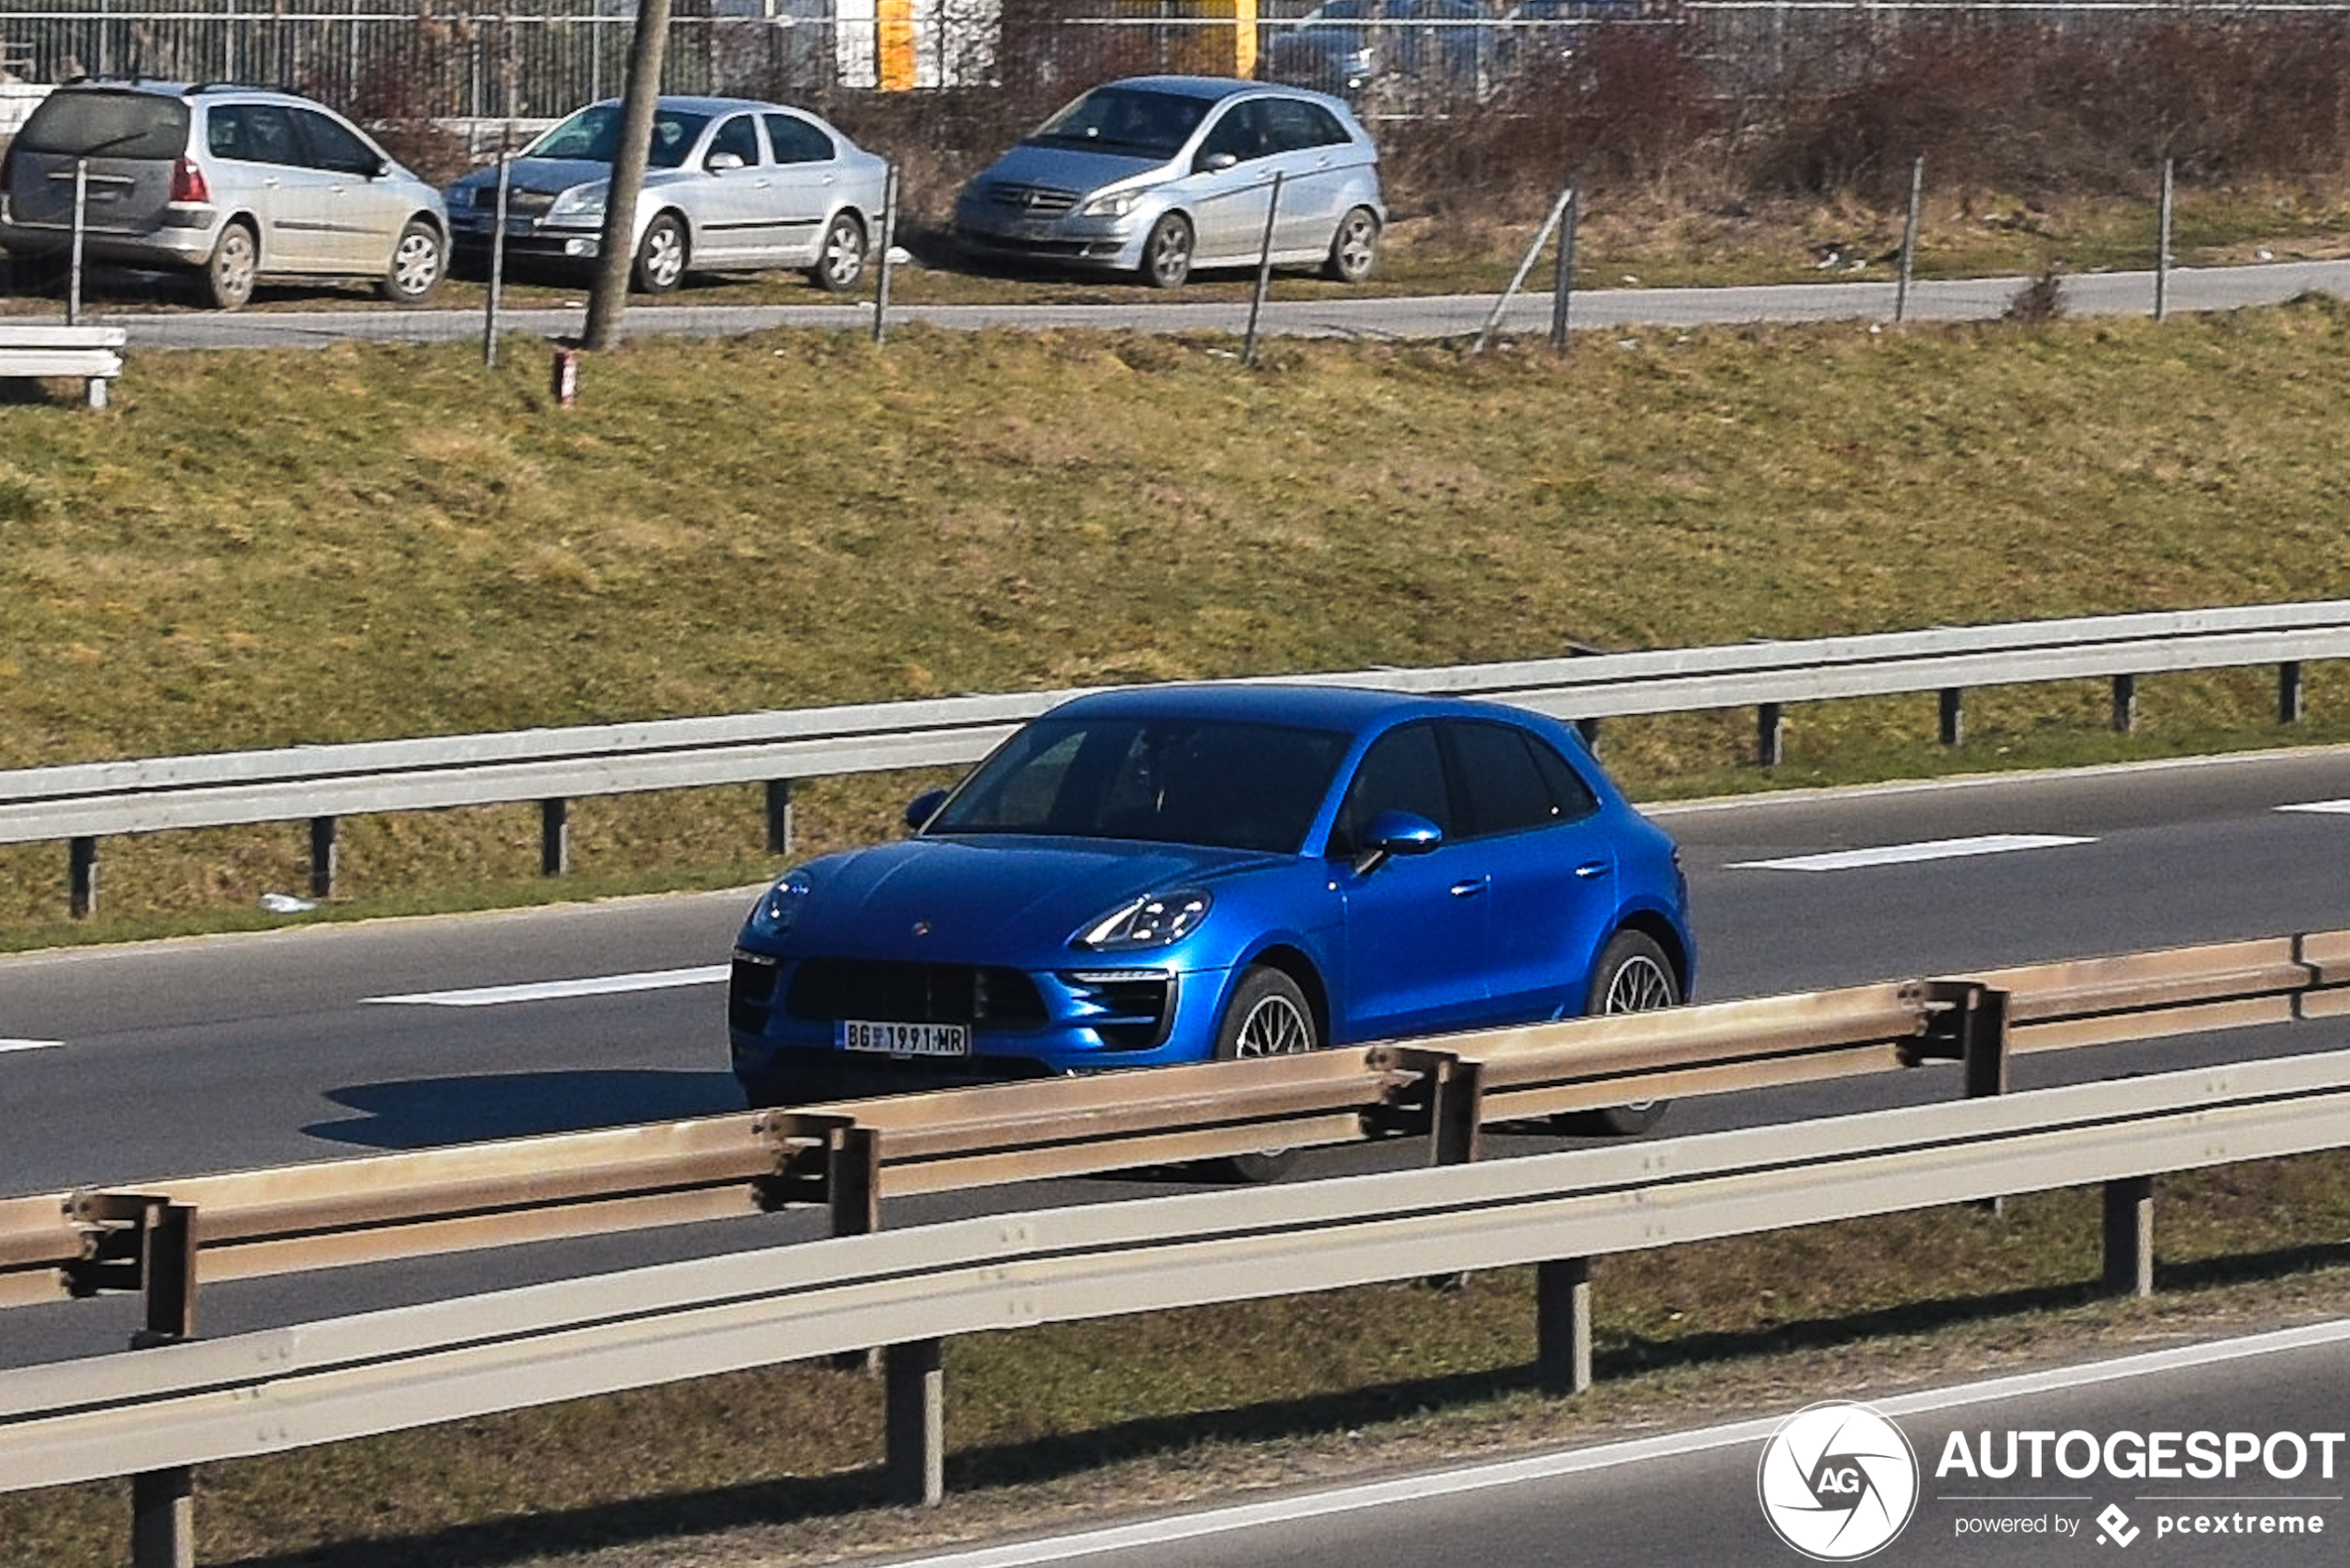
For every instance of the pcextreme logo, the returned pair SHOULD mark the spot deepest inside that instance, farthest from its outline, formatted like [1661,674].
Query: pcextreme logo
[1837,1481]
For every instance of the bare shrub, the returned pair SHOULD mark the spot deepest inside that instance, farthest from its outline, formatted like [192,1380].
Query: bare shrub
[2038,302]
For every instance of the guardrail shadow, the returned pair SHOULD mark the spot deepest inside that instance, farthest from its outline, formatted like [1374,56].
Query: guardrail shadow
[424,1113]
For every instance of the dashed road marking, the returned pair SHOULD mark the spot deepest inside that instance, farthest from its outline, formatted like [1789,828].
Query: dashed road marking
[557,989]
[1906,854]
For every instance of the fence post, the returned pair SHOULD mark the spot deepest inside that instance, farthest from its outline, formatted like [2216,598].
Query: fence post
[1910,240]
[888,244]
[2162,245]
[1264,272]
[1563,279]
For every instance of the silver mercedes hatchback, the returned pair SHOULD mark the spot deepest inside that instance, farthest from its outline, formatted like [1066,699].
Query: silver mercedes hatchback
[236,183]
[1159,174]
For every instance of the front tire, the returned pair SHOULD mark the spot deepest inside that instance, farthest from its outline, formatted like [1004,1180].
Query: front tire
[418,263]
[1354,248]
[1167,253]
[840,262]
[1632,976]
[234,267]
[1268,1016]
[661,256]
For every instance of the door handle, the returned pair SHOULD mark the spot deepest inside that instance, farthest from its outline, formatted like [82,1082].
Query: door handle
[1471,887]
[1591,869]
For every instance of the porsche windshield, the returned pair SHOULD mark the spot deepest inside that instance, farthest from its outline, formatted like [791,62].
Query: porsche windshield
[1214,783]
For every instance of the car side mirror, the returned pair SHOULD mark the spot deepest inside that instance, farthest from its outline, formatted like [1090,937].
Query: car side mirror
[719,163]
[1396,833]
[1214,163]
[923,806]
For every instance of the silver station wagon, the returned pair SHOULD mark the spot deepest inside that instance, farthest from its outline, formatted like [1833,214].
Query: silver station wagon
[238,183]
[1160,174]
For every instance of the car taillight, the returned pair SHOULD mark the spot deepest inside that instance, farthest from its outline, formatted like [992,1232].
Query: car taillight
[187,182]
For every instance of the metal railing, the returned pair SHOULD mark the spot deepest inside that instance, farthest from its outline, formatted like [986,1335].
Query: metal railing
[157,1414]
[81,803]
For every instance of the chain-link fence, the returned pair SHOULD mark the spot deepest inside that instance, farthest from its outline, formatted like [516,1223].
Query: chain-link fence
[529,59]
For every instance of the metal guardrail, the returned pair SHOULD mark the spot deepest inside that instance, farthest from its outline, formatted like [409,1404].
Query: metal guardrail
[850,1155]
[159,1411]
[81,803]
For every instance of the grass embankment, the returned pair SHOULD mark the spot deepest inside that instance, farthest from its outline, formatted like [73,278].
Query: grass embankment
[255,550]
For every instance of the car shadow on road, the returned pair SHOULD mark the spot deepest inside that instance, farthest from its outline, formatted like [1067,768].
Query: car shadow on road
[427,1112]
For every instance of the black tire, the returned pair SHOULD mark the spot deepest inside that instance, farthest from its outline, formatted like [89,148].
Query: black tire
[840,262]
[233,267]
[1354,248]
[1167,253]
[661,255]
[1632,976]
[1268,1016]
[419,261]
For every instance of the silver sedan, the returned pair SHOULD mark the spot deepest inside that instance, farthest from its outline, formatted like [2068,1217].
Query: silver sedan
[731,185]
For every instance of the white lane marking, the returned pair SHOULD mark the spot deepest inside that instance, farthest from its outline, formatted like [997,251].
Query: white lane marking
[553,990]
[1904,854]
[1548,1466]
[2332,808]
[7,1045]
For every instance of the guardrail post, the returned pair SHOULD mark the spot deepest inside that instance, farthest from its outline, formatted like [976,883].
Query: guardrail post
[138,1241]
[2290,706]
[914,1405]
[2125,704]
[1563,1324]
[2129,1235]
[779,817]
[1456,1108]
[1953,716]
[325,855]
[82,878]
[852,1194]
[554,837]
[1770,736]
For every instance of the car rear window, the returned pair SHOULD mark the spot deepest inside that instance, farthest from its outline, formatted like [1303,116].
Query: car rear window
[107,125]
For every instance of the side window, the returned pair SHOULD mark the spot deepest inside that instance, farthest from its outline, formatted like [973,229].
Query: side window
[1571,794]
[1241,132]
[261,133]
[797,142]
[1323,129]
[333,145]
[738,136]
[1290,125]
[1505,787]
[1403,772]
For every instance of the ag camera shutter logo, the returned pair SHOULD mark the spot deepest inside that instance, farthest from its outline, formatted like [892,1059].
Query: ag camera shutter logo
[1837,1481]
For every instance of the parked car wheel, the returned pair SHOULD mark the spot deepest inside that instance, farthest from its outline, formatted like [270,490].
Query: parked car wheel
[418,263]
[661,256]
[236,260]
[841,262]
[1167,255]
[1354,248]
[1633,976]
[1267,1017]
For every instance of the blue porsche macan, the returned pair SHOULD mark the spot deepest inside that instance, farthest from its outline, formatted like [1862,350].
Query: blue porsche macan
[1193,872]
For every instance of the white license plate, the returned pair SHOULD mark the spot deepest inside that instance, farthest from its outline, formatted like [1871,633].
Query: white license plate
[904,1039]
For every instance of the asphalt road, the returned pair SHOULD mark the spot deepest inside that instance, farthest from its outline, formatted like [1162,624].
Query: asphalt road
[1696,1497]
[175,1058]
[1875,299]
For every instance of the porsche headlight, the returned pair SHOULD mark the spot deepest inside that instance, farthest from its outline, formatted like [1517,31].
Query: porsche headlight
[1155,921]
[780,905]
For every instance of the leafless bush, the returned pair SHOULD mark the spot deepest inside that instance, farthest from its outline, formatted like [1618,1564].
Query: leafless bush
[2037,303]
